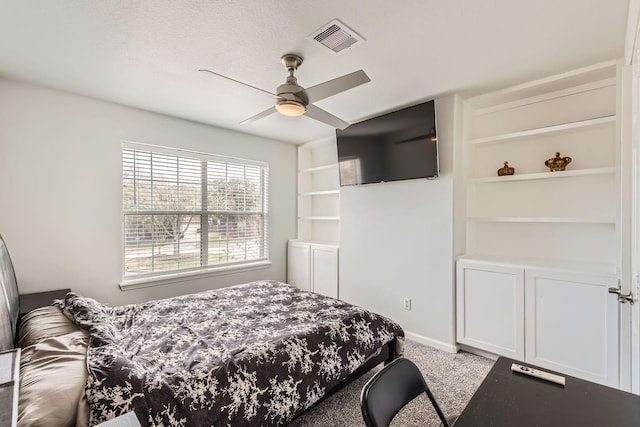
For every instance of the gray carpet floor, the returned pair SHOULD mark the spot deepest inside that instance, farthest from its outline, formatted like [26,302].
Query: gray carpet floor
[453,378]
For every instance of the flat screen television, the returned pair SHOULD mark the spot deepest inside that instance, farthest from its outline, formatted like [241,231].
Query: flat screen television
[395,146]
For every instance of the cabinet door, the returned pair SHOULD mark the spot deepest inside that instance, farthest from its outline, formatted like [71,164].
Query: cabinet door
[324,268]
[490,308]
[299,265]
[572,324]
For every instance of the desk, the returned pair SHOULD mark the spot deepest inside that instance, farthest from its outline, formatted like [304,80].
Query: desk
[9,382]
[506,398]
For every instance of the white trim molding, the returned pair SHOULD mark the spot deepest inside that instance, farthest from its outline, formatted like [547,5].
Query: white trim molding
[145,282]
[633,29]
[440,345]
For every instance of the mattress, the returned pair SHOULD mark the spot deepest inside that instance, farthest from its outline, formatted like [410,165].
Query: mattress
[253,354]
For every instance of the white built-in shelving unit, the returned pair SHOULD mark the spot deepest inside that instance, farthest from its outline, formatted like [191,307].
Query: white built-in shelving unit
[318,192]
[543,248]
[312,262]
[564,215]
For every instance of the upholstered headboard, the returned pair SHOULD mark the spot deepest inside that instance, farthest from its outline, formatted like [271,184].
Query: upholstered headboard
[9,303]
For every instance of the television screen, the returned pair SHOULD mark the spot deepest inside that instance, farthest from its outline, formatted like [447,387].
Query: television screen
[392,147]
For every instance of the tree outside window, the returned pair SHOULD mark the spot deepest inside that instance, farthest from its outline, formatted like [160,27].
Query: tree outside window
[188,211]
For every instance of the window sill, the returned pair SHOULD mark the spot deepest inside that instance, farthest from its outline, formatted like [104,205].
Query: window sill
[145,282]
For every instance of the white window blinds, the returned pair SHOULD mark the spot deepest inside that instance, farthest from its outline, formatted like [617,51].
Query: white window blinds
[186,211]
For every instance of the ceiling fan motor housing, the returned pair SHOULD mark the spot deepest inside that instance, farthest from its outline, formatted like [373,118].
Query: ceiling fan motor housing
[291,91]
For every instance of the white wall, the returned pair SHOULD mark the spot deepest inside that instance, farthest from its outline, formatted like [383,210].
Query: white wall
[61,198]
[397,241]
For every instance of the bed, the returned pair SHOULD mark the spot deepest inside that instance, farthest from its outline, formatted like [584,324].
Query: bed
[259,353]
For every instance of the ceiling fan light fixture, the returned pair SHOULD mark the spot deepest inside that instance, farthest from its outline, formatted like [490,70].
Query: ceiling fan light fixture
[291,108]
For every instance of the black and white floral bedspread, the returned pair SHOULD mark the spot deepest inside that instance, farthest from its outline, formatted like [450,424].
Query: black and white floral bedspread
[252,354]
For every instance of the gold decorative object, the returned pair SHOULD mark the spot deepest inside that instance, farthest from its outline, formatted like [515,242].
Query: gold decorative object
[557,163]
[506,170]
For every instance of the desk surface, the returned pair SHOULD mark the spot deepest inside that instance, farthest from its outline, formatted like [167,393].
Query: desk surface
[507,398]
[9,381]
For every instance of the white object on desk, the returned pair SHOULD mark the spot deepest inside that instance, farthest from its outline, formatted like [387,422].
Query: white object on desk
[9,384]
[536,373]
[126,420]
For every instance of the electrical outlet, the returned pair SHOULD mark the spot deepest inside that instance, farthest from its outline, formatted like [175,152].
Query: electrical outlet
[407,304]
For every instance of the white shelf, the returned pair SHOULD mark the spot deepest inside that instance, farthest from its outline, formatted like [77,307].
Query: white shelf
[330,243]
[551,264]
[574,78]
[319,168]
[320,218]
[594,85]
[319,193]
[534,219]
[565,127]
[545,175]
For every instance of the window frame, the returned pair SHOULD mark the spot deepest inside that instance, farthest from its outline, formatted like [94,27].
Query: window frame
[137,280]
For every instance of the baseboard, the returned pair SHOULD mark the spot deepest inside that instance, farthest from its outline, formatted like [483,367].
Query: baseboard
[440,345]
[478,352]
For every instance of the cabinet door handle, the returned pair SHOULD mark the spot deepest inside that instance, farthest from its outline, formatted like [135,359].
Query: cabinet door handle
[622,298]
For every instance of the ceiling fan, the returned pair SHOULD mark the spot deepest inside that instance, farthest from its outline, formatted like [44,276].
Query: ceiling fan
[294,100]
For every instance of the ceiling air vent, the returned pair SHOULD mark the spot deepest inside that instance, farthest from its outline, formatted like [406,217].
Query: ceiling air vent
[336,36]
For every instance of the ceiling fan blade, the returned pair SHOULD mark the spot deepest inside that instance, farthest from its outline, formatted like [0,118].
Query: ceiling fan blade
[337,85]
[319,114]
[238,81]
[265,113]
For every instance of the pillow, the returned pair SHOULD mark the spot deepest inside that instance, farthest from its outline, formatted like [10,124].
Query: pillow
[91,315]
[53,374]
[44,322]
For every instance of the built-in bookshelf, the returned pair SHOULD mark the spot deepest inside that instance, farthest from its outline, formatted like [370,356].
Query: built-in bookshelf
[562,215]
[543,248]
[318,192]
[312,258]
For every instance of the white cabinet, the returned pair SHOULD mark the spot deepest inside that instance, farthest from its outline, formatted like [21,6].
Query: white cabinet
[313,267]
[299,264]
[490,307]
[324,270]
[561,320]
[571,324]
[312,260]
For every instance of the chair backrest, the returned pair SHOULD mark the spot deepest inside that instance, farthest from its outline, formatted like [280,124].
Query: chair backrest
[391,389]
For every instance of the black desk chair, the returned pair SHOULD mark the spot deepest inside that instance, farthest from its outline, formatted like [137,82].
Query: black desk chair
[391,389]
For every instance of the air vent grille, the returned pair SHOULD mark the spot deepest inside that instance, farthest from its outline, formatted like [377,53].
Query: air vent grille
[336,36]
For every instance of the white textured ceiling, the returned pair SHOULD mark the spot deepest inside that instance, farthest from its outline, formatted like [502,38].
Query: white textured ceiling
[146,53]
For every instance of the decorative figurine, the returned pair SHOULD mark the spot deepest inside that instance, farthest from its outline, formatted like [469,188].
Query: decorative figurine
[506,170]
[557,163]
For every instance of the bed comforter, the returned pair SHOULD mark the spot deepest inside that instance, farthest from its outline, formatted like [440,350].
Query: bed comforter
[252,354]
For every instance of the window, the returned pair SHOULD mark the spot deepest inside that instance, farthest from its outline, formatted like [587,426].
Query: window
[186,211]
[350,173]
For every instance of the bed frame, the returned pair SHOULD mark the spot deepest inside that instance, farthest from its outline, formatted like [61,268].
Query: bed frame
[9,311]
